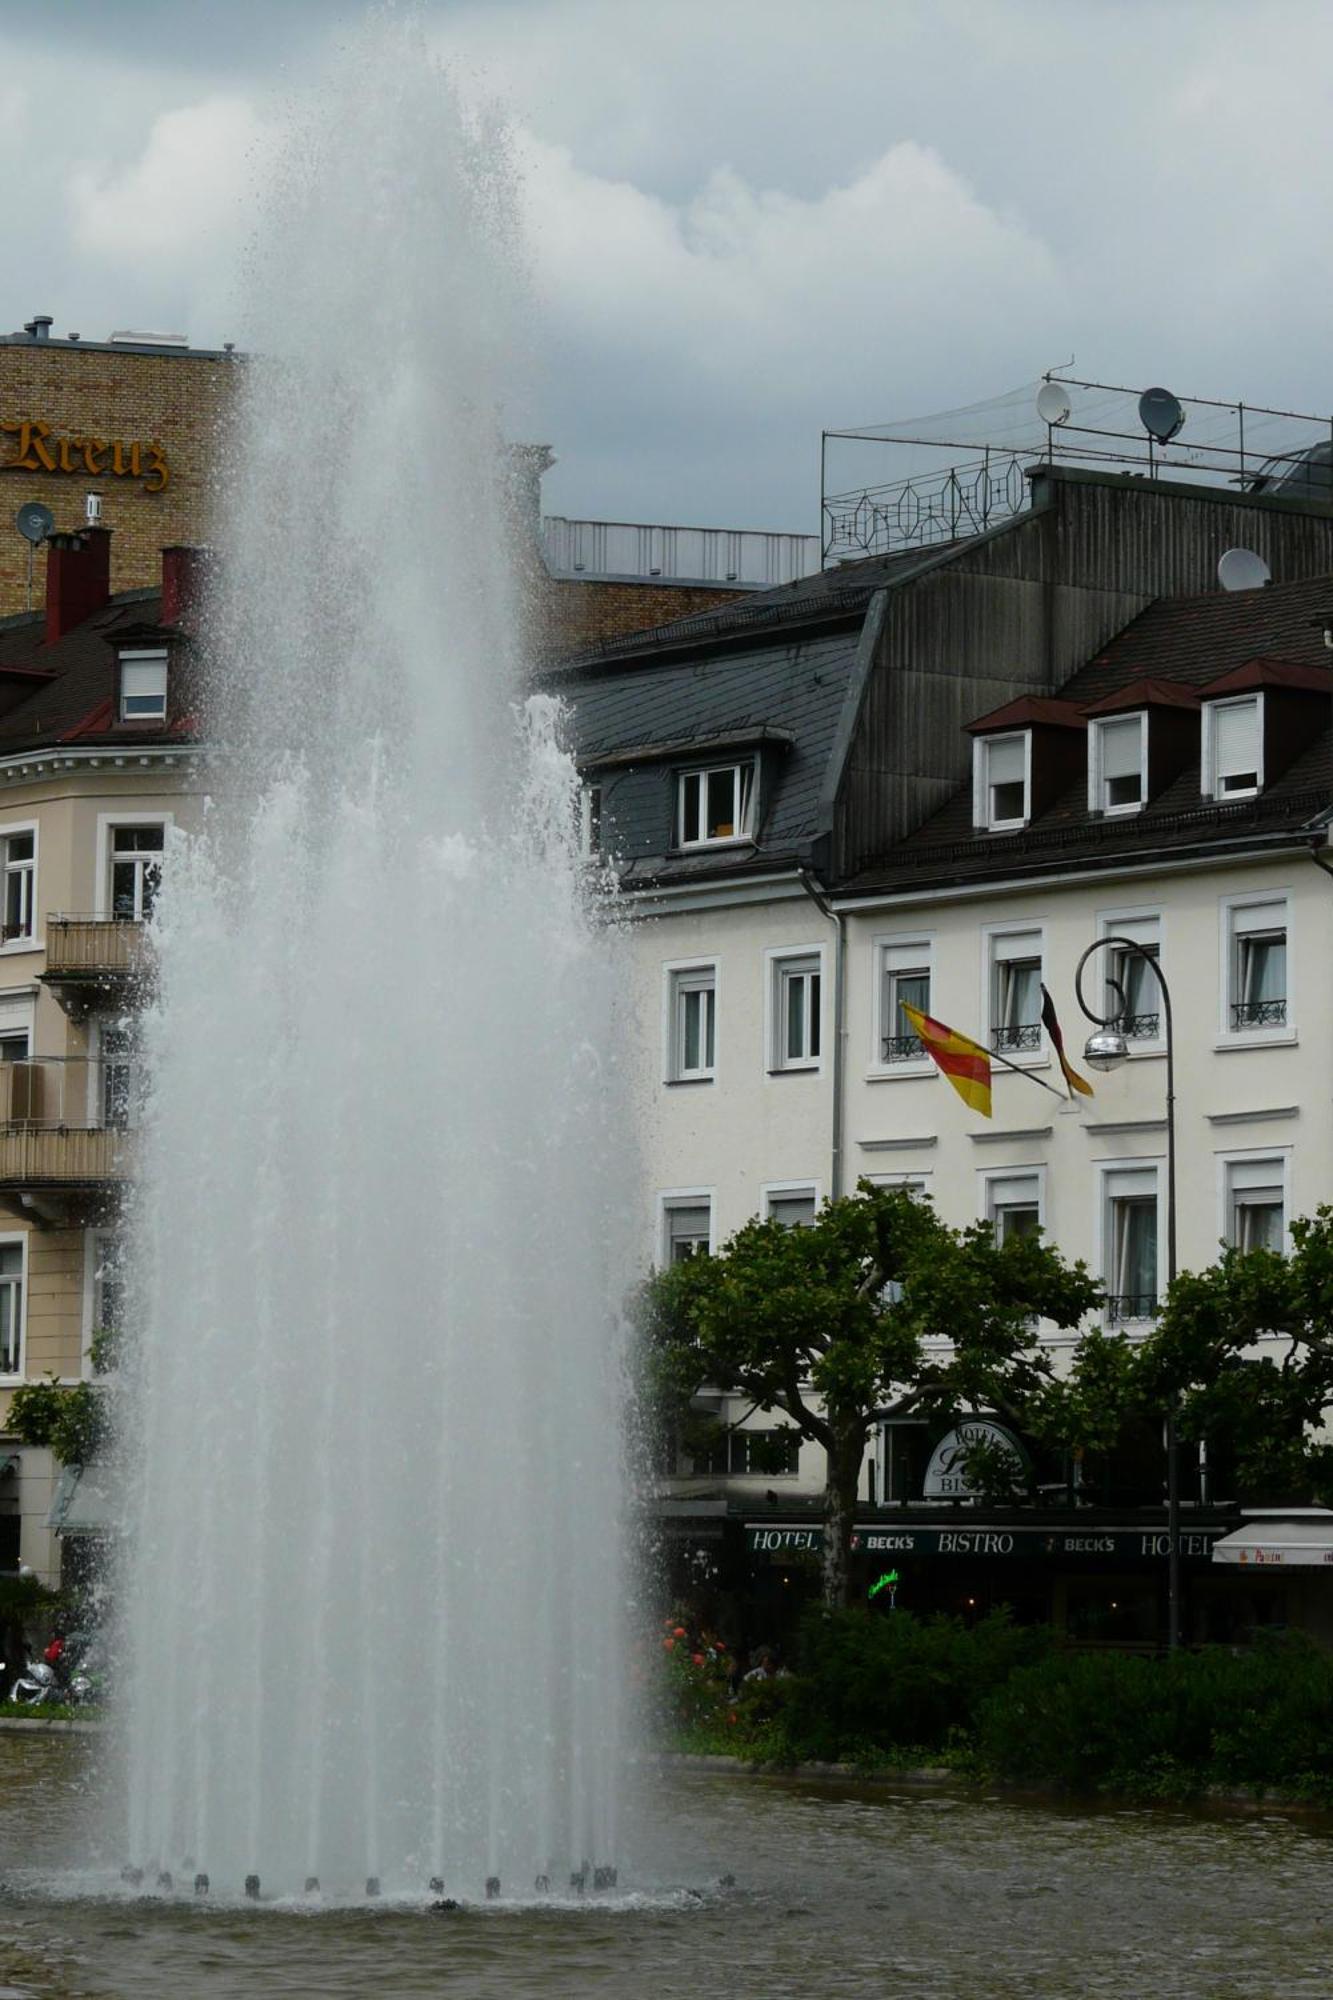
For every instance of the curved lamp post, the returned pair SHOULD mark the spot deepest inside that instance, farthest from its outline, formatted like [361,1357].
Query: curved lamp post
[1106,1049]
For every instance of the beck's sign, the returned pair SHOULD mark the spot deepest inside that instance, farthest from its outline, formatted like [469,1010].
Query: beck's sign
[1035,1544]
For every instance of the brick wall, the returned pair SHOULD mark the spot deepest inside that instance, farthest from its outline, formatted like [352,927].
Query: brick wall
[573,615]
[172,400]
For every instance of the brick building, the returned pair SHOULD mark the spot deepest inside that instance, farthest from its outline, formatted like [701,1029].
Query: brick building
[133,419]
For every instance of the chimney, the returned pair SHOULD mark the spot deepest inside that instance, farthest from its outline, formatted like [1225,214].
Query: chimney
[78,579]
[182,579]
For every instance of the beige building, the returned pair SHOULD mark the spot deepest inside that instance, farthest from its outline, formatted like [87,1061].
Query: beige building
[97,763]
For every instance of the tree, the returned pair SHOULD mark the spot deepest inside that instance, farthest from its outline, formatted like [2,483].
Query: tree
[1243,1353]
[828,1325]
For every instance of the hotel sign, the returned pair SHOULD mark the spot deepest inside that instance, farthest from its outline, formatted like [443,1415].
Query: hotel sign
[1037,1544]
[37,448]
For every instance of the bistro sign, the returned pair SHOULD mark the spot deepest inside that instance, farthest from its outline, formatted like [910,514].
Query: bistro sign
[1036,1544]
[39,449]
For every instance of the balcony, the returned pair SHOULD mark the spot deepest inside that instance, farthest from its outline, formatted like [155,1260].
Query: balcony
[66,1138]
[94,962]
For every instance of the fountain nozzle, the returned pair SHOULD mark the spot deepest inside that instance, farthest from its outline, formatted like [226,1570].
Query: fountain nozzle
[542,1886]
[164,1880]
[312,1885]
[436,1885]
[372,1885]
[252,1887]
[492,1887]
[131,1875]
[201,1885]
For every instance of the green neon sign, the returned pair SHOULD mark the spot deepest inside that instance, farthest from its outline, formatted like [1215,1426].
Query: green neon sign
[885,1582]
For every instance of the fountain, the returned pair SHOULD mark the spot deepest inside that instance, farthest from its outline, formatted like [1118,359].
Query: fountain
[374,1577]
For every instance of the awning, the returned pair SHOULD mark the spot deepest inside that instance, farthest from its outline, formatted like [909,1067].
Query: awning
[81,1504]
[1283,1541]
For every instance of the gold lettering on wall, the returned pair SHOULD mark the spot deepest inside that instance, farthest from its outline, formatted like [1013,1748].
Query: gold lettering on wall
[37,450]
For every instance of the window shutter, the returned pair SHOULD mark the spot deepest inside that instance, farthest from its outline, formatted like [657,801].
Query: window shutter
[1120,748]
[1236,741]
[1005,758]
[1248,1176]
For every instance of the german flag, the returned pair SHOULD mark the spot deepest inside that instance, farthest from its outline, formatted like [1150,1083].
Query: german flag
[964,1062]
[1052,1026]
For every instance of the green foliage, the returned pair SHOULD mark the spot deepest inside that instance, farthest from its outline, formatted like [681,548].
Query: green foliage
[1243,1352]
[828,1324]
[23,1597]
[867,1685]
[1261,1719]
[70,1422]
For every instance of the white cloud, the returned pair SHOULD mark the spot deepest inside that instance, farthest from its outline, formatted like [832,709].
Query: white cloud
[184,196]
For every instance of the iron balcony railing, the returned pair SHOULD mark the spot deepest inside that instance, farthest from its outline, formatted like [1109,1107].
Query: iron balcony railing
[902,1048]
[1140,1027]
[1120,1306]
[1259,1014]
[1021,1035]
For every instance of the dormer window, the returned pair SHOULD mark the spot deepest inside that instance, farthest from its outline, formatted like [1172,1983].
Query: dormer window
[143,686]
[715,804]
[1233,747]
[1118,764]
[1001,772]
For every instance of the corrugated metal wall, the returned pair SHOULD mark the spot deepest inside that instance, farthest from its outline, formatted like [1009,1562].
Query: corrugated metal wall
[1017,612]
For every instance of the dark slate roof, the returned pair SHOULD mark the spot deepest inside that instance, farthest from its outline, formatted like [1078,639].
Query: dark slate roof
[783,700]
[66,692]
[831,596]
[1192,642]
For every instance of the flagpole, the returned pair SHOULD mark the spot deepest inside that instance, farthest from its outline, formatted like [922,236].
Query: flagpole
[1020,1070]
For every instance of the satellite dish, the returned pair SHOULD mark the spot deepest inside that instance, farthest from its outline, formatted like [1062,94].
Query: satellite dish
[34,522]
[1242,569]
[1053,403]
[1160,414]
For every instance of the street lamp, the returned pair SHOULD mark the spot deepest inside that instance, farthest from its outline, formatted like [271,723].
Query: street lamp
[1106,1049]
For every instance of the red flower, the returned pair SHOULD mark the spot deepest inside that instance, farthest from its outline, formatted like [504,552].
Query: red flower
[669,1645]
[679,1631]
[698,1659]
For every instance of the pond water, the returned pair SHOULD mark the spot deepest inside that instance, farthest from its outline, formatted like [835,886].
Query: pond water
[839,1891]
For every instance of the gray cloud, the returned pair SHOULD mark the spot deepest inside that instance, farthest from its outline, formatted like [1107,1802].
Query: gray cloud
[749,221]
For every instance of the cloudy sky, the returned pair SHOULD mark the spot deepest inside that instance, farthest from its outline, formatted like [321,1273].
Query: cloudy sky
[751,220]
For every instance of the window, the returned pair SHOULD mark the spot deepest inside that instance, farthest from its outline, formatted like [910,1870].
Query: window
[1129,1237]
[797,1013]
[1000,767]
[1133,997]
[143,687]
[1016,992]
[793,1207]
[120,1080]
[1117,775]
[1233,747]
[771,1454]
[11,1308]
[1256,1203]
[1013,1204]
[1257,966]
[904,981]
[136,870]
[692,1024]
[20,863]
[715,804]
[687,1227]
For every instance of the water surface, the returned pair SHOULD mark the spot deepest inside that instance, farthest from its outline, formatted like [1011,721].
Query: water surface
[840,1891]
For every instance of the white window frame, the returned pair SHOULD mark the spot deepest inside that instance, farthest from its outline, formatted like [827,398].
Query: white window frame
[1247,1159]
[905,944]
[744,797]
[591,806]
[1108,1172]
[1210,779]
[1144,924]
[33,939]
[106,825]
[670,1199]
[994,939]
[1097,780]
[19,1236]
[681,976]
[770,1189]
[991,1179]
[782,963]
[142,656]
[915,1179]
[1233,925]
[95,1244]
[981,781]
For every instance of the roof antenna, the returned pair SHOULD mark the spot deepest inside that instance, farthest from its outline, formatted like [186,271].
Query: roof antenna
[34,522]
[1242,569]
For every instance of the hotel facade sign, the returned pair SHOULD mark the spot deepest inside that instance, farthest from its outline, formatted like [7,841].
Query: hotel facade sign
[1058,1544]
[38,448]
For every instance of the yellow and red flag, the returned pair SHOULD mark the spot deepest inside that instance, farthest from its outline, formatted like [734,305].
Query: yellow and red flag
[964,1062]
[1052,1026]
